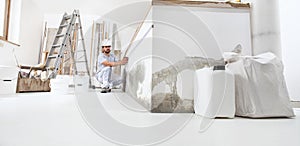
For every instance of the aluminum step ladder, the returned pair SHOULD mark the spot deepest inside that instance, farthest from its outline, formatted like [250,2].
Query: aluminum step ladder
[62,43]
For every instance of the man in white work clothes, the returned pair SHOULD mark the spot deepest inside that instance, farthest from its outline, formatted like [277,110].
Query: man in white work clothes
[106,61]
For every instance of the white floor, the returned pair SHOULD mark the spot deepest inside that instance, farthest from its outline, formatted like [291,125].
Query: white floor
[57,119]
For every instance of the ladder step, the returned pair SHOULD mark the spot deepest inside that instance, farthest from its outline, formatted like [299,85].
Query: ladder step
[55,46]
[64,25]
[80,61]
[77,28]
[52,57]
[67,17]
[60,35]
[59,48]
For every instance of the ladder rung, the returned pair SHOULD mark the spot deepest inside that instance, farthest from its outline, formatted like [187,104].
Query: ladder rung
[68,17]
[60,35]
[64,25]
[58,48]
[55,46]
[52,57]
[77,28]
[51,67]
[81,72]
[80,61]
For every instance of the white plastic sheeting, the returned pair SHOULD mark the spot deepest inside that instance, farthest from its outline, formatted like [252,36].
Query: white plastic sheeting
[260,87]
[8,79]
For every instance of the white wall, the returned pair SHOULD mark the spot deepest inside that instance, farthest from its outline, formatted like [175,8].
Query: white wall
[92,7]
[29,36]
[181,32]
[139,67]
[30,33]
[33,12]
[14,22]
[53,21]
[229,26]
[290,30]
[6,55]
[126,14]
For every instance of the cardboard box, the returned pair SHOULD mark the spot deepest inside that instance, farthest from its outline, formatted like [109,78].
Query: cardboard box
[32,85]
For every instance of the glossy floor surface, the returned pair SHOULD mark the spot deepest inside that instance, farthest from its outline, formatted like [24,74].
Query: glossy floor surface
[63,119]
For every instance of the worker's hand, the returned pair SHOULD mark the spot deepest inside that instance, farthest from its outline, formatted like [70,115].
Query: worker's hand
[124,60]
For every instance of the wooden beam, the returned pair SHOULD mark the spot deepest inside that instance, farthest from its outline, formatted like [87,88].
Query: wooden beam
[205,4]
[4,40]
[6,19]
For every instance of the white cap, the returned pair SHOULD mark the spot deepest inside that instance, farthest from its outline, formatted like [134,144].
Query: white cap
[106,42]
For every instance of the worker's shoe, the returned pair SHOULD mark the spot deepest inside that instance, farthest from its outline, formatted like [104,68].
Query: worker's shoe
[105,90]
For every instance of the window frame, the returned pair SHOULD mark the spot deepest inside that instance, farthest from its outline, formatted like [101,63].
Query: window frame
[6,21]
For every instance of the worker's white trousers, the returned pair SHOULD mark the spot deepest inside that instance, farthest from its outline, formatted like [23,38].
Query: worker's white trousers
[107,78]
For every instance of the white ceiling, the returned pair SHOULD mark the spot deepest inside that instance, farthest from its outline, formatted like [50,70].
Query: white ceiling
[125,11]
[92,7]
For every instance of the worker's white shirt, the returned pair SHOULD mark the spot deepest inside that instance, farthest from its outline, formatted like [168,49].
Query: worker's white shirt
[104,74]
[102,58]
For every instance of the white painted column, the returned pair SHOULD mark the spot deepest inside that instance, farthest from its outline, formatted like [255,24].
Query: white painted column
[290,30]
[265,26]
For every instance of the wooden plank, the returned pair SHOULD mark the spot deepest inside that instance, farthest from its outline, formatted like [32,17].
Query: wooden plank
[205,4]
[42,45]
[92,48]
[32,67]
[2,38]
[6,19]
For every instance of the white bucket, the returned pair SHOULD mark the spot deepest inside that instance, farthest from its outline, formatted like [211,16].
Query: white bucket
[60,84]
[214,93]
